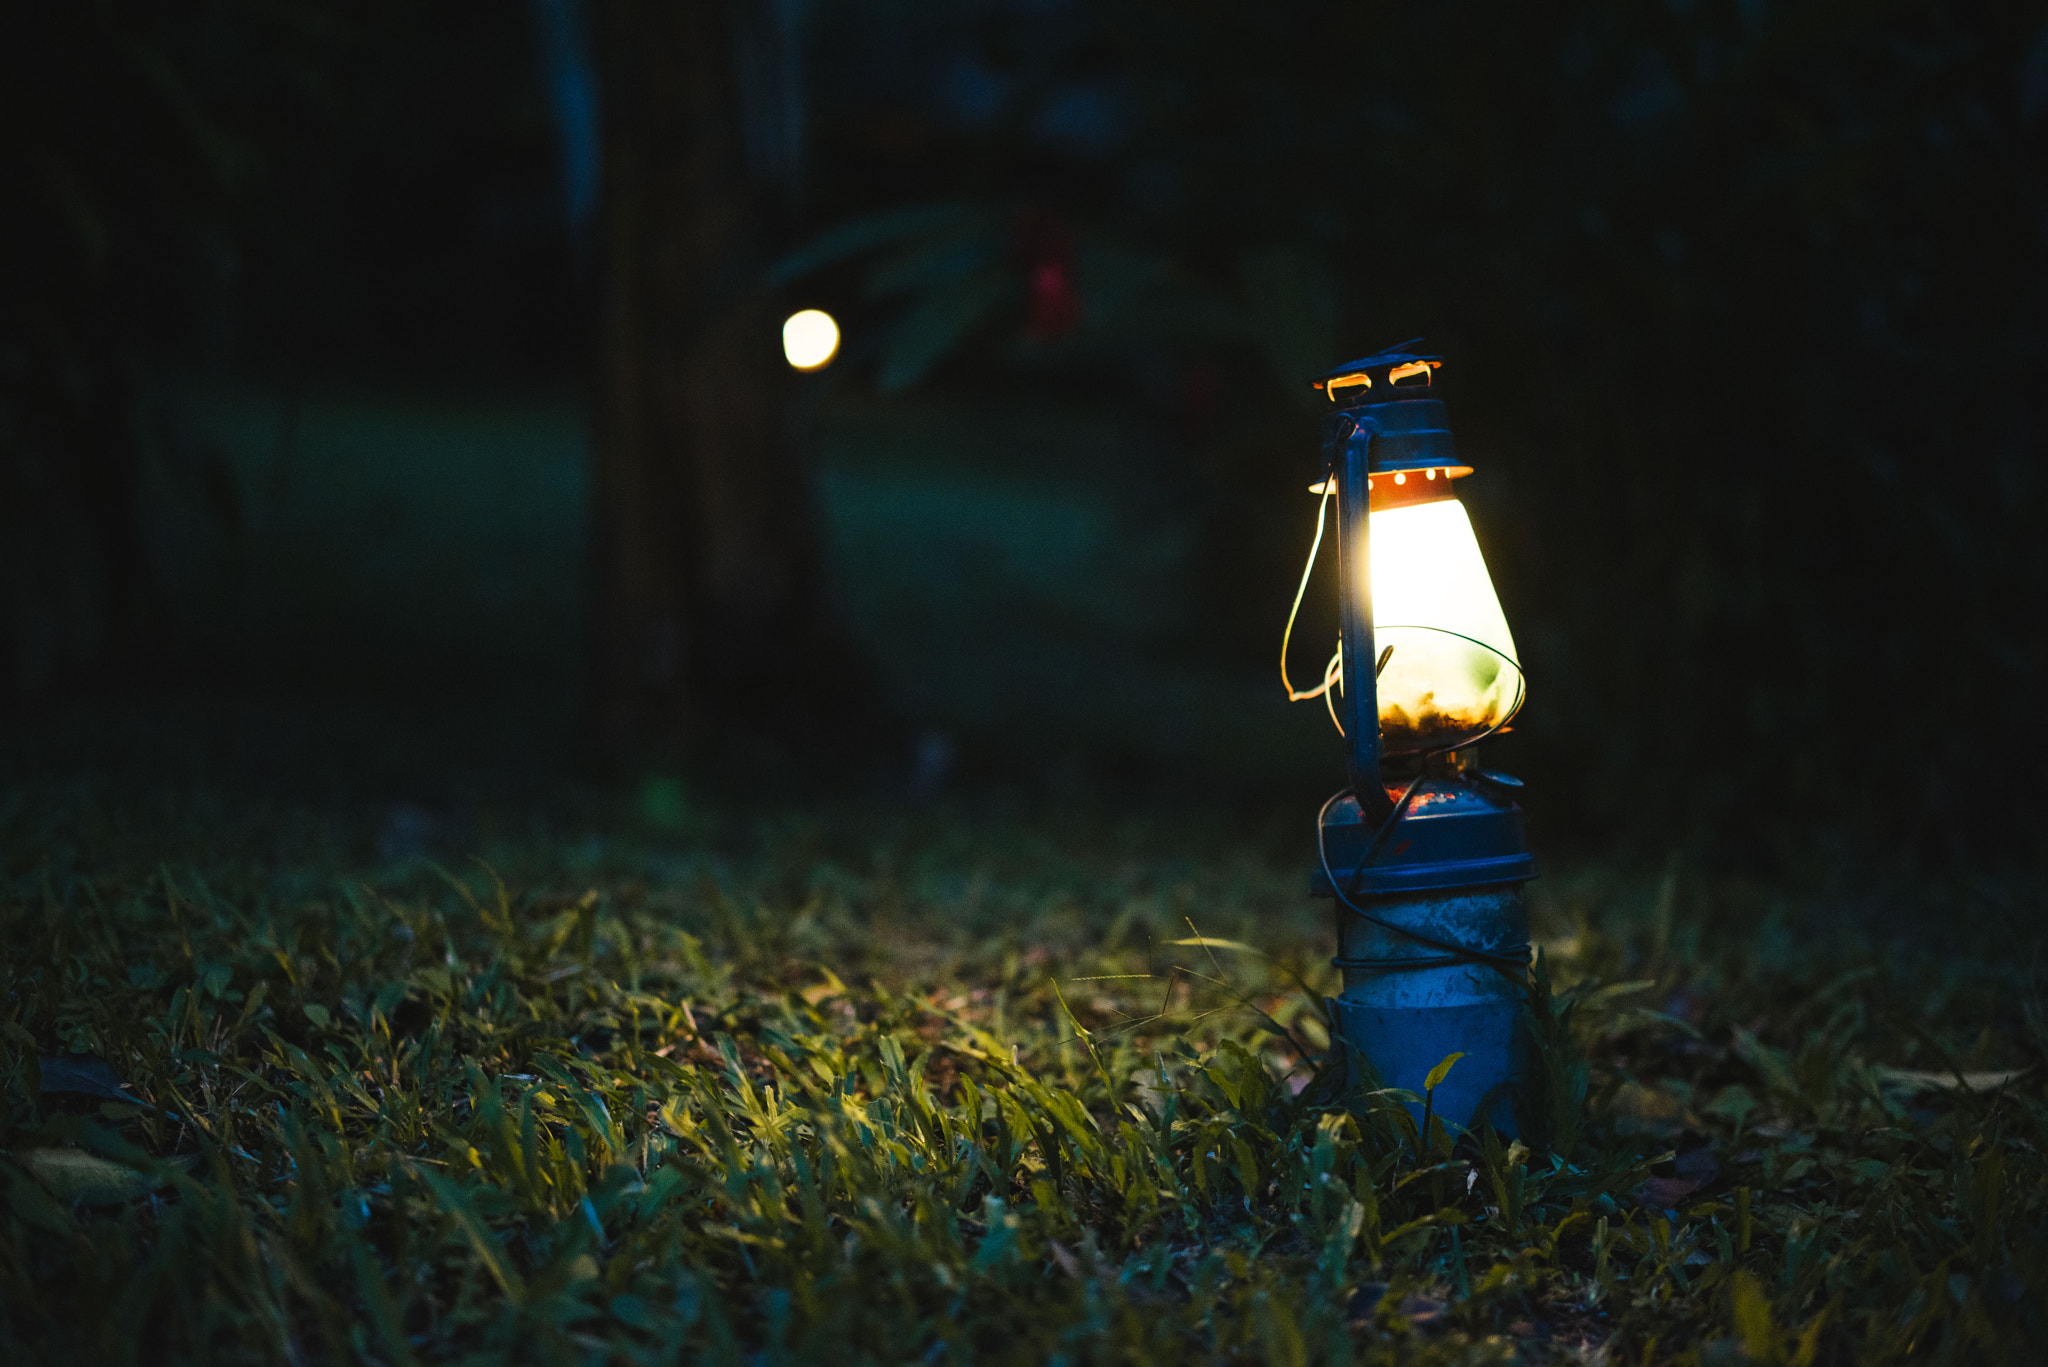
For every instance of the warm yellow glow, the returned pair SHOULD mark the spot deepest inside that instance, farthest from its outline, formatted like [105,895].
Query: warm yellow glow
[810,339]
[1343,382]
[1454,673]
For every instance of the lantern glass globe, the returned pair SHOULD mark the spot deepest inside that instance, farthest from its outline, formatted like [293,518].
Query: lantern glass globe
[1454,674]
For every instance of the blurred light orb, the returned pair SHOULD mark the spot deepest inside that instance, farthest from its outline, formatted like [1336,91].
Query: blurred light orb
[810,339]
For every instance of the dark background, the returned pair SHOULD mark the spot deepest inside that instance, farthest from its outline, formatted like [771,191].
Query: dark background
[301,351]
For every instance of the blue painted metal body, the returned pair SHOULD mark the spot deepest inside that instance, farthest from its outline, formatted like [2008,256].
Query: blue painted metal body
[1447,877]
[1432,929]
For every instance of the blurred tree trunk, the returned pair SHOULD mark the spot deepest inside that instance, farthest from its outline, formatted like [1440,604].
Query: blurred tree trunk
[708,620]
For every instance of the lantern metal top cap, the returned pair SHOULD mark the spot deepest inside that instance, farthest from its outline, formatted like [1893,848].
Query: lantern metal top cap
[1381,377]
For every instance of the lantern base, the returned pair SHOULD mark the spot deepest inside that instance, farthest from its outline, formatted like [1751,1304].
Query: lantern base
[1397,1047]
[1408,1005]
[1432,934]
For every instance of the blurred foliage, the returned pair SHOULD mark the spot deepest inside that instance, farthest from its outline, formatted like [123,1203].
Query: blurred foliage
[1744,309]
[1743,300]
[267,187]
[119,167]
[850,1086]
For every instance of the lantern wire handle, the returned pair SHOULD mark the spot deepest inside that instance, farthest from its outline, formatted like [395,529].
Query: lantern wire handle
[1333,673]
[1329,487]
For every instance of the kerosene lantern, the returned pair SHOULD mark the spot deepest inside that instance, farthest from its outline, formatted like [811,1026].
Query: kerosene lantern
[1424,851]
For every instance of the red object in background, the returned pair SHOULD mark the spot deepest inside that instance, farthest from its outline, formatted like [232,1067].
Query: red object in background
[1047,251]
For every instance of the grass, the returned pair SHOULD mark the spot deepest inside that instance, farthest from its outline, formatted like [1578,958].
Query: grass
[866,1086]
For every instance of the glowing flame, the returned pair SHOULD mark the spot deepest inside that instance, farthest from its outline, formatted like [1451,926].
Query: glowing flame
[810,339]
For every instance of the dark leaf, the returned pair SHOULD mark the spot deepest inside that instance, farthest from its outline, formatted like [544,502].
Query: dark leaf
[73,1175]
[1664,1193]
[864,235]
[1699,1165]
[84,1074]
[1365,1302]
[939,322]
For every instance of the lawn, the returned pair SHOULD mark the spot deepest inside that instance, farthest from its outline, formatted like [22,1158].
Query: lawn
[851,1082]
